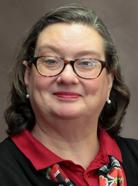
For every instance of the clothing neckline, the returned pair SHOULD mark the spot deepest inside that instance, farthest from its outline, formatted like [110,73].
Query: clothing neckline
[42,157]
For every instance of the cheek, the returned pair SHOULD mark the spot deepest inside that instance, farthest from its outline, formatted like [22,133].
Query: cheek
[98,87]
[38,90]
[38,83]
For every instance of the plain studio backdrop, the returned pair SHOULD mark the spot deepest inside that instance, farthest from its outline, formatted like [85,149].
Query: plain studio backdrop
[121,18]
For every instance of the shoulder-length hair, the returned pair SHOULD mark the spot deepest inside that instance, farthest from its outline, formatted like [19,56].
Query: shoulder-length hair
[19,115]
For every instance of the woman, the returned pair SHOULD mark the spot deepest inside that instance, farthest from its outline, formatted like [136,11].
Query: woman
[68,100]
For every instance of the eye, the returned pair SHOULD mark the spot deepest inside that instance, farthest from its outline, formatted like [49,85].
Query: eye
[48,61]
[87,63]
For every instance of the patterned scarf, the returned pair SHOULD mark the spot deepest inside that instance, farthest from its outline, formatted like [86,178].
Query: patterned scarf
[109,175]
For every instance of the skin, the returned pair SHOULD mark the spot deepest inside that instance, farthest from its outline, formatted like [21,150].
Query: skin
[59,116]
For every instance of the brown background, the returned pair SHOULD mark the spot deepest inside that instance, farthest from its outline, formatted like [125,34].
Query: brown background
[121,17]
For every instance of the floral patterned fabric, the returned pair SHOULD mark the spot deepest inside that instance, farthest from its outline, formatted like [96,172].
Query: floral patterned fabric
[109,175]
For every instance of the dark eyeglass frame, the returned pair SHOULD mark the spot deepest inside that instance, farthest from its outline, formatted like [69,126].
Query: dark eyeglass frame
[33,60]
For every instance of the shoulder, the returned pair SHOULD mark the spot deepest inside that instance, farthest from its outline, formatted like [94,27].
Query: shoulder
[11,171]
[8,155]
[129,151]
[5,148]
[128,145]
[127,140]
[16,169]
[7,162]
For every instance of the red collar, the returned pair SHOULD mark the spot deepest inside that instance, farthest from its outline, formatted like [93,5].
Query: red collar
[41,157]
[109,145]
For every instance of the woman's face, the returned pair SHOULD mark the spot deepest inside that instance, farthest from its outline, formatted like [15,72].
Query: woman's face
[66,95]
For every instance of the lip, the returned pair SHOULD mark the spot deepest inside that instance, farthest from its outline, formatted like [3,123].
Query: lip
[67,95]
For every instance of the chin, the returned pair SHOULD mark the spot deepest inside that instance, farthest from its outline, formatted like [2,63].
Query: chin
[68,114]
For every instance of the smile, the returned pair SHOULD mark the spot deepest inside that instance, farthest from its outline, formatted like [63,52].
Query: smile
[67,95]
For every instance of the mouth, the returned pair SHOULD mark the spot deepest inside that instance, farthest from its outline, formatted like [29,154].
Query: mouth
[67,95]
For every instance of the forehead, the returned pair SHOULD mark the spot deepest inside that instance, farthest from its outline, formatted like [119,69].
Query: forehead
[70,38]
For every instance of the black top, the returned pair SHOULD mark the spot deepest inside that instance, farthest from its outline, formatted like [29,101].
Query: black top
[17,170]
[129,149]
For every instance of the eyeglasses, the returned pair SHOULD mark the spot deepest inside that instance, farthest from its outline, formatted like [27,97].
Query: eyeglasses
[86,68]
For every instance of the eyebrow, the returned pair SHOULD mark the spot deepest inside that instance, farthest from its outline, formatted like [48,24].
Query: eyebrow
[58,51]
[49,47]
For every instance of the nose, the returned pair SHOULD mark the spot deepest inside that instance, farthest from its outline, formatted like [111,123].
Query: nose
[68,76]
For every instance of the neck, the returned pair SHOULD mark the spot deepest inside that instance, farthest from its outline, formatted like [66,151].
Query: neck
[66,141]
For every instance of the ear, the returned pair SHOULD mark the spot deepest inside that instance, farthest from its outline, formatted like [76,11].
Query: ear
[26,74]
[110,83]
